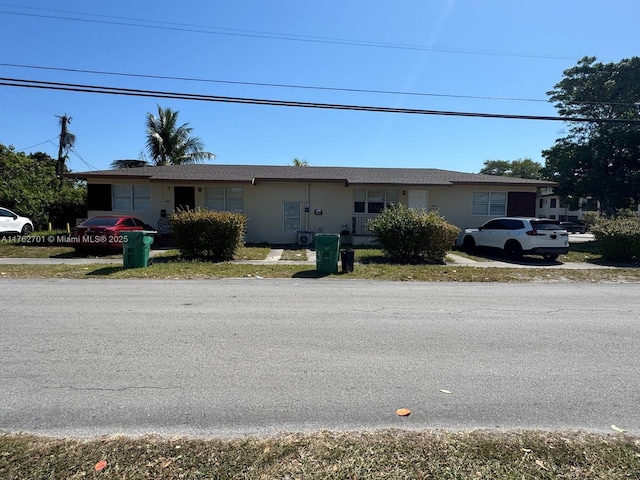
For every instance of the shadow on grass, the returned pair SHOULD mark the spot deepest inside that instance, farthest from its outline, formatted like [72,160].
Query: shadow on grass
[105,272]
[91,254]
[310,274]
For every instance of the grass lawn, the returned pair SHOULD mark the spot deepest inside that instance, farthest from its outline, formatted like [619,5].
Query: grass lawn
[371,265]
[388,454]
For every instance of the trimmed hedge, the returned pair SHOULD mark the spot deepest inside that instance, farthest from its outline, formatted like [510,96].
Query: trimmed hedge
[208,234]
[618,238]
[413,236]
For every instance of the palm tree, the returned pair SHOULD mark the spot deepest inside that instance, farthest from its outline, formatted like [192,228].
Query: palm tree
[168,143]
[299,163]
[119,164]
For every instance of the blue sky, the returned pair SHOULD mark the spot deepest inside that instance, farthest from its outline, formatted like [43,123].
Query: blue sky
[491,56]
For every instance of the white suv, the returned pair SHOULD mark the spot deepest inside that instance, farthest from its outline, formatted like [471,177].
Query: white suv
[13,223]
[517,236]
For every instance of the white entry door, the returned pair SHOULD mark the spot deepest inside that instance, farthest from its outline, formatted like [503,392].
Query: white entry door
[417,199]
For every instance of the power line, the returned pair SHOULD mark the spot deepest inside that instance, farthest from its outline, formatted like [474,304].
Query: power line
[260,84]
[12,82]
[38,144]
[75,152]
[272,36]
[305,87]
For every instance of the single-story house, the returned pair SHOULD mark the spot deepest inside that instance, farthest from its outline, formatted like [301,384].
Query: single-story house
[289,204]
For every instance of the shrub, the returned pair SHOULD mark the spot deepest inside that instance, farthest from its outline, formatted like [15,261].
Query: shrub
[618,238]
[413,236]
[590,218]
[208,234]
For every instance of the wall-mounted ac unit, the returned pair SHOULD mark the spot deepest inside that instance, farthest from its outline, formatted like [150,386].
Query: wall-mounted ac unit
[305,238]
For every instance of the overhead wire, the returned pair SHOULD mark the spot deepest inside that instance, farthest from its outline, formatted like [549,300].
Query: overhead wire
[13,82]
[182,27]
[75,152]
[262,84]
[304,87]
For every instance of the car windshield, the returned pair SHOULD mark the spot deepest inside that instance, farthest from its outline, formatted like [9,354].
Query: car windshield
[100,222]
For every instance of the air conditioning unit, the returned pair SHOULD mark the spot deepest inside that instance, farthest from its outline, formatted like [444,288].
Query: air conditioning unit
[305,238]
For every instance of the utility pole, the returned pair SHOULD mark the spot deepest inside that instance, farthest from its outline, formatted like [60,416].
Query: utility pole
[66,141]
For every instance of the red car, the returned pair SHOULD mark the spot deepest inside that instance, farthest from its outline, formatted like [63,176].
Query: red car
[104,232]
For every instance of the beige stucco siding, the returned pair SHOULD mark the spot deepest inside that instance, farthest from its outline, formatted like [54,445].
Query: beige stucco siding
[329,208]
[330,204]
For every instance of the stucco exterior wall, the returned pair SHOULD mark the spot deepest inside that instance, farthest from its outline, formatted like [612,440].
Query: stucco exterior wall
[325,207]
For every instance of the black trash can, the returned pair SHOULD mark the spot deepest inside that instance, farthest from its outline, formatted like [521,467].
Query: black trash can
[347,259]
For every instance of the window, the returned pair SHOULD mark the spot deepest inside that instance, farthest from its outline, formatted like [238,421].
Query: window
[131,197]
[291,217]
[99,196]
[541,203]
[228,199]
[373,201]
[489,203]
[553,203]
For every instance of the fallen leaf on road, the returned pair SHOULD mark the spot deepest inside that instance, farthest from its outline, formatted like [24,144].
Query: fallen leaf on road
[446,391]
[403,412]
[618,429]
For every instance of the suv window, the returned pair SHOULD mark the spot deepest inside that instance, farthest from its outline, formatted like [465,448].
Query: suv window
[511,224]
[545,225]
[494,225]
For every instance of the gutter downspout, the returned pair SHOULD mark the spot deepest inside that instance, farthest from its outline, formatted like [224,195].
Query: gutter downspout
[307,207]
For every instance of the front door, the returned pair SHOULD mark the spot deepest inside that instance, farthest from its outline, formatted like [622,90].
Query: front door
[184,198]
[417,199]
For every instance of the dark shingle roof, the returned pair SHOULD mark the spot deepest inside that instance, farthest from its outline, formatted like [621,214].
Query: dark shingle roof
[350,175]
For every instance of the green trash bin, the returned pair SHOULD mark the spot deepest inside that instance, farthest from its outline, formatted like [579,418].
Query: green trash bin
[327,252]
[135,248]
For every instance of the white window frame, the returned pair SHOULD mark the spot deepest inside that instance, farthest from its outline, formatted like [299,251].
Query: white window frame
[228,199]
[289,224]
[492,204]
[365,195]
[130,197]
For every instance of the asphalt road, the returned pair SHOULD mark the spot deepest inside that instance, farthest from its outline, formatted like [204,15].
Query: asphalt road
[255,356]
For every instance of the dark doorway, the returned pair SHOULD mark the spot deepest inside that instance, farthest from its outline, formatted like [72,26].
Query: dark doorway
[184,198]
[521,204]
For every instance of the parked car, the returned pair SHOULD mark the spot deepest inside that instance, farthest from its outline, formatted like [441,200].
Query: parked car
[573,227]
[12,223]
[104,232]
[516,236]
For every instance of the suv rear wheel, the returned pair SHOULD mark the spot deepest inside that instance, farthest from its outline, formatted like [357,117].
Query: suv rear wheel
[513,250]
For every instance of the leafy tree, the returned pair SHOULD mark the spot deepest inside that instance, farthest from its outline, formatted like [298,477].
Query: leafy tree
[521,168]
[168,143]
[31,187]
[599,158]
[296,162]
